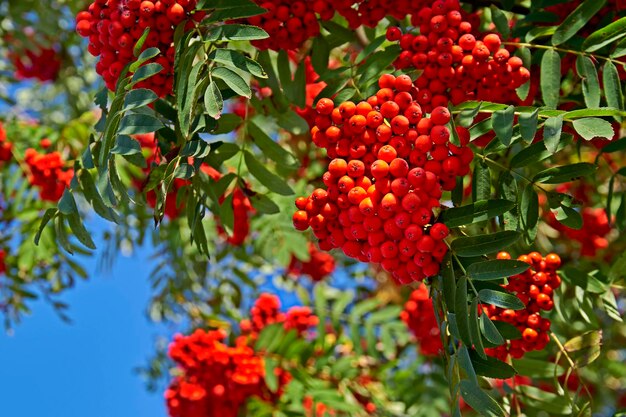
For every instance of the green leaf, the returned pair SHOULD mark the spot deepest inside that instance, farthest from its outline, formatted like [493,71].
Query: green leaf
[227,123]
[145,71]
[569,217]
[551,404]
[484,244]
[142,39]
[477,340]
[133,124]
[270,377]
[449,282]
[67,204]
[501,22]
[528,125]
[584,341]
[550,78]
[47,216]
[606,35]
[576,20]
[76,224]
[593,127]
[481,182]
[490,331]
[233,80]
[612,86]
[491,367]
[537,152]
[529,208]
[213,102]
[537,368]
[264,205]
[552,133]
[140,97]
[565,173]
[320,53]
[461,311]
[507,330]
[125,145]
[500,299]
[236,59]
[292,122]
[496,269]
[145,56]
[236,32]
[272,181]
[479,400]
[270,148]
[502,122]
[591,85]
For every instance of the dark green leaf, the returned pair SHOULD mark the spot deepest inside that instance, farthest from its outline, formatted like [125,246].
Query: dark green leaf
[481,182]
[528,125]
[145,71]
[320,53]
[76,224]
[477,340]
[550,78]
[236,59]
[569,217]
[270,148]
[47,216]
[507,330]
[479,400]
[213,102]
[500,299]
[537,152]
[461,311]
[233,80]
[272,181]
[236,32]
[576,20]
[502,122]
[537,368]
[552,133]
[490,331]
[67,204]
[484,244]
[125,145]
[133,124]
[612,86]
[565,173]
[496,269]
[501,22]
[529,208]
[591,85]
[264,205]
[606,35]
[140,97]
[491,367]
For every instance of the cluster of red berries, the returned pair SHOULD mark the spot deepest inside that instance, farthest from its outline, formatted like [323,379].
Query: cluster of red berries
[389,167]
[47,172]
[42,63]
[320,265]
[419,316]
[6,147]
[592,236]
[289,23]
[114,27]
[456,66]
[218,379]
[535,288]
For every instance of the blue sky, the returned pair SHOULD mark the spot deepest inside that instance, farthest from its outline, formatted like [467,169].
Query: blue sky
[53,369]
